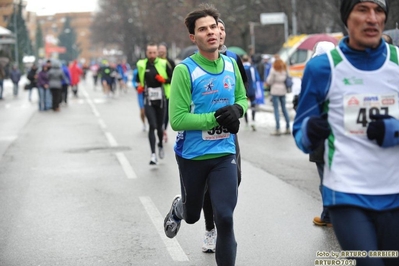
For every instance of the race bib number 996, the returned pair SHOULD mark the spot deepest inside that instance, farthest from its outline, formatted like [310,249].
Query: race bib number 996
[216,133]
[359,108]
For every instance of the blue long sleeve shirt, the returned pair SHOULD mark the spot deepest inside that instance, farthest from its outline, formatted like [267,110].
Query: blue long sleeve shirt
[316,83]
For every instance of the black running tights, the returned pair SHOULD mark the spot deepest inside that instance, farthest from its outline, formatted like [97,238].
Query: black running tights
[155,116]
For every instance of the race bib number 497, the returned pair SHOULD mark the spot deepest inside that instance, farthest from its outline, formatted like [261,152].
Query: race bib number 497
[360,107]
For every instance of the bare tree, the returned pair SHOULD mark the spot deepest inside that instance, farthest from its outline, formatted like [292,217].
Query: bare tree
[130,24]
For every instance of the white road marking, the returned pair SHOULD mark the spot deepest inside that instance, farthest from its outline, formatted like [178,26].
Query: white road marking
[84,92]
[124,162]
[8,138]
[99,100]
[93,107]
[102,123]
[127,168]
[111,140]
[90,102]
[172,245]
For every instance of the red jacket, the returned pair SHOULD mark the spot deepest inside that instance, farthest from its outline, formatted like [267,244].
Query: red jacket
[75,71]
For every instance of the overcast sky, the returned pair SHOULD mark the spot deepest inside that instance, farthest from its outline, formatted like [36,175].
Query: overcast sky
[48,7]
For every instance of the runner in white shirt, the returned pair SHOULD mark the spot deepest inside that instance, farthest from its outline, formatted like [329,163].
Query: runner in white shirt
[349,103]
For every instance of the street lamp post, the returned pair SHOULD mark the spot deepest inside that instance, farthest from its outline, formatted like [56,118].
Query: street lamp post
[16,35]
[294,20]
[252,33]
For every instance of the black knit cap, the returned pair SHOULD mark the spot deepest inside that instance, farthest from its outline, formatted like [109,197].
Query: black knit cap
[347,6]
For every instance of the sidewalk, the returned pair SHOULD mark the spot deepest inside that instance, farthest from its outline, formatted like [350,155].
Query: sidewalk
[8,87]
[268,106]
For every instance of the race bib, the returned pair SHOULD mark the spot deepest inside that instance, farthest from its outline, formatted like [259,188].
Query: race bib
[358,109]
[216,133]
[154,94]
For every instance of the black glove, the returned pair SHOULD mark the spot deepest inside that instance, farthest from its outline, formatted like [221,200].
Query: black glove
[233,127]
[384,129]
[317,130]
[295,102]
[228,114]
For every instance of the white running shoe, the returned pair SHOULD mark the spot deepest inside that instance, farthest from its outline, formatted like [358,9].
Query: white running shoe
[161,153]
[209,245]
[153,160]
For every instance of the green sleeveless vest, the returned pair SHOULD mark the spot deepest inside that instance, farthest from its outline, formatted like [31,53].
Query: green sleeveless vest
[160,66]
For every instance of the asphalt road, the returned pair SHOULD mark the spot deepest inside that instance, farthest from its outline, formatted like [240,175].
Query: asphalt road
[76,188]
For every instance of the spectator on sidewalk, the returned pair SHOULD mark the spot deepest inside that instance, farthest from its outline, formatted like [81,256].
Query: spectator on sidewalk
[252,86]
[278,91]
[65,84]
[43,87]
[32,77]
[2,78]
[56,76]
[15,76]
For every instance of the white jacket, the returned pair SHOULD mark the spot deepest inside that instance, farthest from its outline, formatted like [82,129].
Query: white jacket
[276,80]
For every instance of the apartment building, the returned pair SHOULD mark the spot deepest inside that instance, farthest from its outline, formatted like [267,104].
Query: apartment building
[53,25]
[6,9]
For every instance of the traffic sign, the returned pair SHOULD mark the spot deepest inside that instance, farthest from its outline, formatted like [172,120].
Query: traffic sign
[272,18]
